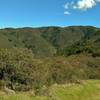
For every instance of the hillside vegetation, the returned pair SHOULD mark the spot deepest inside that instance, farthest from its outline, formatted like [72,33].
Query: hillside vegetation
[33,58]
[50,41]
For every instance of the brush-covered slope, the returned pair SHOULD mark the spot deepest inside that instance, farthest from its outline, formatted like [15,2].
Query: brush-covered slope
[22,70]
[61,37]
[26,38]
[48,41]
[90,43]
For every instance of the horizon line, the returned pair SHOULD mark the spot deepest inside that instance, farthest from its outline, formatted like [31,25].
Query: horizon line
[16,27]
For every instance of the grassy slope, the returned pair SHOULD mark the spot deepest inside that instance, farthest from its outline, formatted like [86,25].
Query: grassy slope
[89,90]
[4,41]
[26,38]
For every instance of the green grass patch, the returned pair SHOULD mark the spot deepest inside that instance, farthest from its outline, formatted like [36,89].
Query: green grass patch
[88,90]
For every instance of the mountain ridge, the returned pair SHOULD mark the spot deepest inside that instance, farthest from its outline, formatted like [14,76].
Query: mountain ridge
[45,41]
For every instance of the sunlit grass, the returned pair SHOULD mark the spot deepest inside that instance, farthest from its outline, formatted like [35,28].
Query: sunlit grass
[88,90]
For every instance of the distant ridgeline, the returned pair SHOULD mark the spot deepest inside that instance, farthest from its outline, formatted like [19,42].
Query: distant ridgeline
[53,41]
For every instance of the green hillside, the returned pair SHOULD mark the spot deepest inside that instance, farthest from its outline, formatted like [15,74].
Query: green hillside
[34,58]
[48,41]
[26,38]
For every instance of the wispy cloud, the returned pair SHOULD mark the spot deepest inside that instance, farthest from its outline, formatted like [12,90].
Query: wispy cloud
[66,13]
[66,5]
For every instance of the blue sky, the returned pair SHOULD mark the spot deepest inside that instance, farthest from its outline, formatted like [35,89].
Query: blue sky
[36,13]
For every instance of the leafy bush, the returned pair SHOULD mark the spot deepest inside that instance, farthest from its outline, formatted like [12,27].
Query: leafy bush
[20,71]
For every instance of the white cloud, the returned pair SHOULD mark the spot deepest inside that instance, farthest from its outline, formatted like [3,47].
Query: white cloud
[82,5]
[66,13]
[85,4]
